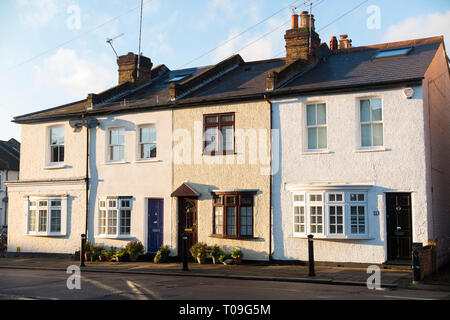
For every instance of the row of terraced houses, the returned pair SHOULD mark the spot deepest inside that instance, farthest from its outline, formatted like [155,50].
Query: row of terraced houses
[349,144]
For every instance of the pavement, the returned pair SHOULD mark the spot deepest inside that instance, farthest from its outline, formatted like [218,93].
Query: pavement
[349,275]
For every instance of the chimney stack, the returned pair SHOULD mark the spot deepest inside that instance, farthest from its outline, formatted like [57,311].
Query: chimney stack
[298,44]
[128,65]
[345,42]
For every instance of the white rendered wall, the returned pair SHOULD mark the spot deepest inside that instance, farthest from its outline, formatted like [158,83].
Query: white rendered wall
[399,168]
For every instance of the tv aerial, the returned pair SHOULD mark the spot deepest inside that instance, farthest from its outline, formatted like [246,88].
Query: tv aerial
[110,42]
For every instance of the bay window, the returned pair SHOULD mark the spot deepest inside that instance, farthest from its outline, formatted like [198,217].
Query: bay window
[46,216]
[233,214]
[114,217]
[330,214]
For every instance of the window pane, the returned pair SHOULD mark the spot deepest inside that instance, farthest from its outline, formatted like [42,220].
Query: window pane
[376,109]
[246,201]
[42,203]
[332,197]
[211,135]
[218,220]
[213,119]
[312,138]
[365,110]
[321,114]
[112,222]
[299,198]
[231,222]
[339,197]
[231,200]
[42,221]
[217,200]
[226,118]
[246,221]
[316,219]
[125,222]
[227,138]
[311,114]
[32,221]
[55,223]
[366,139]
[56,203]
[322,138]
[57,136]
[377,134]
[102,222]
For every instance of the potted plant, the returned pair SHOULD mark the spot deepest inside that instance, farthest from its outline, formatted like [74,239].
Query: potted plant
[200,252]
[96,253]
[237,256]
[162,255]
[226,259]
[88,247]
[121,255]
[107,255]
[216,252]
[134,249]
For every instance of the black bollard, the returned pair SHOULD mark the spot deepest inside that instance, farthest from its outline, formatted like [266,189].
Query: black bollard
[416,266]
[185,253]
[83,245]
[311,255]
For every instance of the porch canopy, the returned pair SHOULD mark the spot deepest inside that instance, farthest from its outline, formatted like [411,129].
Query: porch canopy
[185,190]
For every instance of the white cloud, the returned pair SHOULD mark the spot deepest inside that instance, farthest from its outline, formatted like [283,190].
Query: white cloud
[38,13]
[76,76]
[430,25]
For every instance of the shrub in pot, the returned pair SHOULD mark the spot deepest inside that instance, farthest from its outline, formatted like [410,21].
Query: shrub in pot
[121,255]
[226,259]
[200,252]
[134,249]
[88,250]
[216,252]
[237,256]
[162,255]
[96,253]
[108,255]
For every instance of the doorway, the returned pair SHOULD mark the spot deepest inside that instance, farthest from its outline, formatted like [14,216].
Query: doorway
[399,226]
[187,222]
[155,224]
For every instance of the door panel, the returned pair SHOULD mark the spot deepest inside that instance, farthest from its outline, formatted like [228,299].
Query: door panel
[187,222]
[155,224]
[399,226]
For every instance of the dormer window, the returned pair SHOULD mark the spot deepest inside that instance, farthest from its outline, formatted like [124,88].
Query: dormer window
[392,52]
[57,144]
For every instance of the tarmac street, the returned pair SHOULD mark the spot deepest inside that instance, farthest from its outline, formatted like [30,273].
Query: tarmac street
[17,284]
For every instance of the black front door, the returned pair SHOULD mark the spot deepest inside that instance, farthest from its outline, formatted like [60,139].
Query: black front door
[187,222]
[399,226]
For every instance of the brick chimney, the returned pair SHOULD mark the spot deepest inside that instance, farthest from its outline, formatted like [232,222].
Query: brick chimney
[297,38]
[344,42]
[128,65]
[334,44]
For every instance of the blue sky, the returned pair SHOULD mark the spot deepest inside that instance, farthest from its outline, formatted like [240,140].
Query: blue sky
[47,58]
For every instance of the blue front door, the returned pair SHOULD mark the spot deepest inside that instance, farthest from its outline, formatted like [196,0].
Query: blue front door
[155,224]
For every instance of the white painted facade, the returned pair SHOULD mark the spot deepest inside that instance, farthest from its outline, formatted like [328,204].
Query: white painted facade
[5,175]
[400,165]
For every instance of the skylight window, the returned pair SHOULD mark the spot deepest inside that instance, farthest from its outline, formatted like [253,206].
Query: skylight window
[392,52]
[175,78]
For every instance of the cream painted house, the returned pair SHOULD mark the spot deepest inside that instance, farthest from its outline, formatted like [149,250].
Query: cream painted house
[9,170]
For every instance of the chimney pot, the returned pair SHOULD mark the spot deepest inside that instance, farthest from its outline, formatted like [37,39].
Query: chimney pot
[333,44]
[294,21]
[345,42]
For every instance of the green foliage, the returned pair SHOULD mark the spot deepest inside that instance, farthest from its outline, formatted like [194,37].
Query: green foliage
[225,257]
[216,251]
[200,250]
[134,249]
[109,254]
[121,255]
[162,255]
[88,247]
[237,253]
[96,252]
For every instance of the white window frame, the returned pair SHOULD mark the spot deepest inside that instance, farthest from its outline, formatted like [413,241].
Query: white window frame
[298,203]
[34,204]
[316,126]
[120,205]
[49,146]
[346,205]
[371,123]
[140,144]
[110,146]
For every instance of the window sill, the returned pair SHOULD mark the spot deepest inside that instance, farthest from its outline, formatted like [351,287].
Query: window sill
[115,162]
[309,152]
[322,237]
[213,154]
[371,149]
[55,166]
[147,161]
[234,238]
[114,237]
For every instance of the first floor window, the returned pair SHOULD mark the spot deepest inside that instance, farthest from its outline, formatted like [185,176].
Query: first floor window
[147,144]
[57,144]
[233,214]
[116,144]
[218,130]
[115,217]
[371,117]
[46,216]
[316,125]
[333,214]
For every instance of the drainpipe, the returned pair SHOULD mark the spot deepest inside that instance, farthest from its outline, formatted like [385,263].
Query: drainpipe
[87,179]
[271,180]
